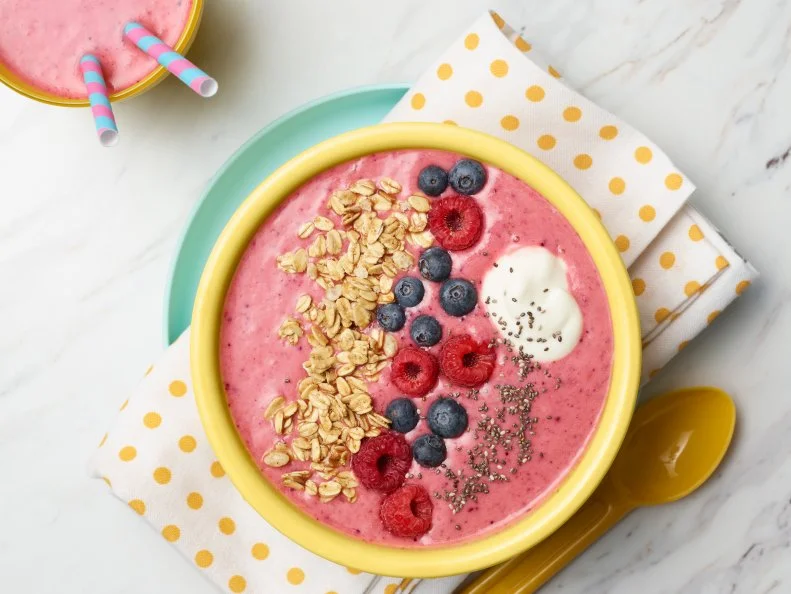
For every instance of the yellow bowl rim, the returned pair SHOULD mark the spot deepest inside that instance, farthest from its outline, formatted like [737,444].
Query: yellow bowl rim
[156,76]
[274,507]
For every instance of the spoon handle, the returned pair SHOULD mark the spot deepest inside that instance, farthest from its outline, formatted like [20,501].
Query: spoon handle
[529,571]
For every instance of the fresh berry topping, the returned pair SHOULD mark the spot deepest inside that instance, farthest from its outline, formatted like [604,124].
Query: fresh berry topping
[456,222]
[429,450]
[382,462]
[435,264]
[466,362]
[447,418]
[432,180]
[403,416]
[425,331]
[414,371]
[458,297]
[467,177]
[409,291]
[407,512]
[391,317]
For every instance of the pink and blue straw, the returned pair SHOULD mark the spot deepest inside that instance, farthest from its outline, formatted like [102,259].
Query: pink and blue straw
[100,100]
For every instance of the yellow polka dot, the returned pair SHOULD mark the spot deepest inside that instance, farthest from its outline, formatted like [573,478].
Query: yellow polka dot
[673,181]
[450,122]
[195,500]
[171,532]
[127,453]
[667,259]
[295,576]
[237,584]
[499,68]
[445,71]
[124,405]
[583,161]
[661,314]
[682,345]
[691,288]
[418,101]
[546,142]
[187,444]
[638,286]
[217,471]
[713,315]
[572,114]
[695,234]
[106,480]
[177,388]
[152,420]
[331,592]
[617,185]
[353,571]
[608,132]
[149,370]
[471,41]
[522,45]
[204,558]
[104,439]
[391,589]
[622,243]
[643,154]
[653,373]
[535,93]
[721,262]
[227,525]
[647,213]
[138,506]
[162,475]
[498,20]
[742,287]
[473,98]
[510,123]
[553,72]
[260,551]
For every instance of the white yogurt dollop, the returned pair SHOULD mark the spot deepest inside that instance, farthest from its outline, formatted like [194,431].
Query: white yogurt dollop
[527,295]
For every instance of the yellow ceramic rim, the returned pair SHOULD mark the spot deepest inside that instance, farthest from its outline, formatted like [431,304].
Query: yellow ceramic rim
[13,81]
[275,508]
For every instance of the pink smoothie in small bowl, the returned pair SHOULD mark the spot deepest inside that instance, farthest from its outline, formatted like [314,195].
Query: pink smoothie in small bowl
[566,395]
[42,41]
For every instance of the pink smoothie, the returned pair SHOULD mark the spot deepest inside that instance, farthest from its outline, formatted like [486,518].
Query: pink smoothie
[42,41]
[257,365]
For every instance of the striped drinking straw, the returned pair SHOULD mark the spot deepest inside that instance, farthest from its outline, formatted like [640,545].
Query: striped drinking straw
[100,101]
[186,71]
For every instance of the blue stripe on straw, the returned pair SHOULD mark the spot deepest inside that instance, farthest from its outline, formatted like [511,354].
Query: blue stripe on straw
[190,74]
[103,122]
[99,99]
[94,77]
[147,42]
[89,58]
[168,58]
[132,26]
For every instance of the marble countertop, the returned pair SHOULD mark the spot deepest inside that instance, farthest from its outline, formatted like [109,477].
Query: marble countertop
[87,234]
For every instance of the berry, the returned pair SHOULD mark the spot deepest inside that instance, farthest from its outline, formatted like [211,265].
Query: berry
[467,177]
[447,418]
[466,362]
[409,291]
[407,512]
[403,416]
[432,180]
[425,331]
[414,371]
[435,264]
[382,462]
[391,317]
[458,297]
[456,222]
[429,450]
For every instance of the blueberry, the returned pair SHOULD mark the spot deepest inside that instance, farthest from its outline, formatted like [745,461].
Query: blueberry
[391,317]
[409,291]
[429,450]
[447,418]
[402,414]
[432,180]
[435,264]
[467,177]
[458,297]
[425,331]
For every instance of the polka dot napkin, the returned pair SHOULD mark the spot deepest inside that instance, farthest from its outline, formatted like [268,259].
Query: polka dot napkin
[157,459]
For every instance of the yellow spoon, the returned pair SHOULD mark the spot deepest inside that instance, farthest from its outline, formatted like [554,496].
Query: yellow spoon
[675,443]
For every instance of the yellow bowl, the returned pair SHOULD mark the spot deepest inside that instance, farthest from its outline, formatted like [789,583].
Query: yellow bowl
[12,80]
[268,501]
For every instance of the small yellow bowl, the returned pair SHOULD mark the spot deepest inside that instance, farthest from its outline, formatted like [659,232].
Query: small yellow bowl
[156,76]
[275,508]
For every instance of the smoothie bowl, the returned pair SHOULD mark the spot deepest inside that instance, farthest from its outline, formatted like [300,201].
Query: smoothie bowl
[415,350]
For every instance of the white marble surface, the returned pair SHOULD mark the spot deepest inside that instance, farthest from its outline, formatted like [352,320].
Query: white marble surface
[86,236]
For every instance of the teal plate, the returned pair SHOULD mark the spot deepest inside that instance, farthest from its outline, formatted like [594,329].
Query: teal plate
[272,146]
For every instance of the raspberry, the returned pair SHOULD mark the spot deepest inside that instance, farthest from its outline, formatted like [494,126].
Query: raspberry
[467,362]
[414,371]
[407,512]
[382,462]
[455,222]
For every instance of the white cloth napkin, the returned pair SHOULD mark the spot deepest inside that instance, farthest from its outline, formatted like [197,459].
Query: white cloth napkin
[157,458]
